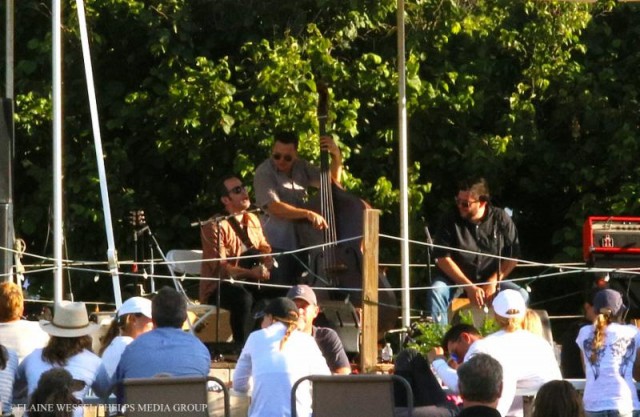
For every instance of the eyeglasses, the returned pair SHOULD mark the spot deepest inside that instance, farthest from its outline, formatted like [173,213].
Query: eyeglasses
[239,189]
[465,203]
[277,156]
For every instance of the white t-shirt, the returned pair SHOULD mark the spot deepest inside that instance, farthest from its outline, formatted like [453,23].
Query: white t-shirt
[82,366]
[609,381]
[23,336]
[271,373]
[527,360]
[111,355]
[525,357]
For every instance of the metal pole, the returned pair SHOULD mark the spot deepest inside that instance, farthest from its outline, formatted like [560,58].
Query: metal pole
[112,254]
[58,233]
[404,188]
[9,48]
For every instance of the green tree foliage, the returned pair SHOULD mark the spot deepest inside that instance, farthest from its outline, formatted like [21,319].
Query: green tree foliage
[540,97]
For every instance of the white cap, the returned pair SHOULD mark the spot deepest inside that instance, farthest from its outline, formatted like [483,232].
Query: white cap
[509,303]
[135,305]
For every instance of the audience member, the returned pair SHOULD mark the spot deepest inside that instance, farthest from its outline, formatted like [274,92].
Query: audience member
[53,397]
[415,368]
[22,336]
[327,339]
[570,355]
[8,369]
[557,399]
[475,229]
[457,341]
[224,243]
[609,350]
[132,319]
[528,361]
[165,349]
[274,358]
[69,347]
[533,323]
[427,390]
[480,385]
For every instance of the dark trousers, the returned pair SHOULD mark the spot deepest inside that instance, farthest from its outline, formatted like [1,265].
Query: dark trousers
[414,367]
[239,301]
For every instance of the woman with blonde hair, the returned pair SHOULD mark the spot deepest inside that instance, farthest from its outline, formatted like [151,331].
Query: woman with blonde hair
[609,351]
[274,358]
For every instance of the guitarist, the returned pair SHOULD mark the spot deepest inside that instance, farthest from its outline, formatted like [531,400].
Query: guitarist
[280,184]
[231,236]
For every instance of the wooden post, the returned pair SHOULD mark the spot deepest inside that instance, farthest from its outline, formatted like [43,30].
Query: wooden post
[369,343]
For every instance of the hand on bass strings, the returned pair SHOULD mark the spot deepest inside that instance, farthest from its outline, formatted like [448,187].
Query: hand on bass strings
[328,144]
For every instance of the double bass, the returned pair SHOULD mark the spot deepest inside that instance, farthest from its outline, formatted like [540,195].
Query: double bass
[334,264]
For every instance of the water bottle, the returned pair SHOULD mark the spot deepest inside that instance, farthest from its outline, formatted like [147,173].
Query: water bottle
[387,354]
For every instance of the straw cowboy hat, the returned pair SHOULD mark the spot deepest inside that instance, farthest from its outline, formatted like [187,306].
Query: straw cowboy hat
[70,319]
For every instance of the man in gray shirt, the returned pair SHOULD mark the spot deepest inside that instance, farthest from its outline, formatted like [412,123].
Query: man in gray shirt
[280,185]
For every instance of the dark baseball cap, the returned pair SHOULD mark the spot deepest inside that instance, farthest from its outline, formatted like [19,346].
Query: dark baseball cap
[608,299]
[303,292]
[278,307]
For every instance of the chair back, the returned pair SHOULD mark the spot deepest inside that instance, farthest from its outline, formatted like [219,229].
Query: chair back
[183,261]
[353,395]
[185,396]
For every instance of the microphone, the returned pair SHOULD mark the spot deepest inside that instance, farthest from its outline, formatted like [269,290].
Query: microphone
[218,219]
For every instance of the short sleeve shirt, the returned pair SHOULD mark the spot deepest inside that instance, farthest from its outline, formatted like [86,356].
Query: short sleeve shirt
[496,234]
[270,186]
[331,347]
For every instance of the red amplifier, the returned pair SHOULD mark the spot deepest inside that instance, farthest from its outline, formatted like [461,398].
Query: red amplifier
[611,241]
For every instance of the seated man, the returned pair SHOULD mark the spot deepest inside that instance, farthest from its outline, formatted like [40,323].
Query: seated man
[165,349]
[327,339]
[480,386]
[223,243]
[472,242]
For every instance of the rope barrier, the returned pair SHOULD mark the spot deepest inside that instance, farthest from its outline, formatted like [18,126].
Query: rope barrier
[93,267]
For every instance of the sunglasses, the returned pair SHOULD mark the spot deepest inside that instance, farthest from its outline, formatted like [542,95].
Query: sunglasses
[239,189]
[277,156]
[465,203]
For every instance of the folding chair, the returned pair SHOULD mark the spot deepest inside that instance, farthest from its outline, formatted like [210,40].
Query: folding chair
[171,396]
[353,395]
[187,262]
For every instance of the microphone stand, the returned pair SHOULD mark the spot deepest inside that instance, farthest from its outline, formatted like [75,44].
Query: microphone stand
[155,244]
[218,219]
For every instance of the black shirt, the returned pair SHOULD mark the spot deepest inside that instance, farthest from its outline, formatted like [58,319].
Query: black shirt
[479,411]
[496,234]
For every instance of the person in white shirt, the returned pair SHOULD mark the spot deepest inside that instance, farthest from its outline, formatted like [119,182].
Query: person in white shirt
[69,347]
[132,319]
[22,336]
[274,358]
[528,360]
[609,352]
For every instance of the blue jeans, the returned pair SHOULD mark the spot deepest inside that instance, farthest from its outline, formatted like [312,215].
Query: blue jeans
[609,413]
[439,297]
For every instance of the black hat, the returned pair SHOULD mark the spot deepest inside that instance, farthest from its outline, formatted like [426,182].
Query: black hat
[608,299]
[280,307]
